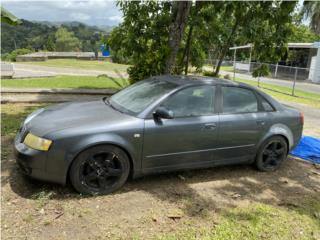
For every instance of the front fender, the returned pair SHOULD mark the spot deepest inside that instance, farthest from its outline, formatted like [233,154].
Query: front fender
[131,148]
[64,152]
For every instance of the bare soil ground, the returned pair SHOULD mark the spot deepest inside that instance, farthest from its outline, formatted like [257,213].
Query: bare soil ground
[148,207]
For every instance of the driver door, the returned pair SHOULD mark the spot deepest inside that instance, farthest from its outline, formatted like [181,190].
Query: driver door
[187,140]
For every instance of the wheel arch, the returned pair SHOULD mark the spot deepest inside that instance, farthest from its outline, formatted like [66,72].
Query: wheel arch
[80,150]
[279,130]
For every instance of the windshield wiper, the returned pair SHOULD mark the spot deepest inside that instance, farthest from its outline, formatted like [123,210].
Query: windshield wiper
[107,101]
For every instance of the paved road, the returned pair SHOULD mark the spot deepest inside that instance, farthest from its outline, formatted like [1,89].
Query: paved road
[309,87]
[29,71]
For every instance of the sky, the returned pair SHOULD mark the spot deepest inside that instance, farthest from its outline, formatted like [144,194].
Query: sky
[91,12]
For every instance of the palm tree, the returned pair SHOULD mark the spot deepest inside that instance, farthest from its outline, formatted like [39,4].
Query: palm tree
[311,10]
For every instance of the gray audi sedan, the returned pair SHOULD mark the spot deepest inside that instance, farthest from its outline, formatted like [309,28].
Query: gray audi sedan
[164,123]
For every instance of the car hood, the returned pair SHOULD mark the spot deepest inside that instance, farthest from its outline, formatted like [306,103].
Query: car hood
[75,114]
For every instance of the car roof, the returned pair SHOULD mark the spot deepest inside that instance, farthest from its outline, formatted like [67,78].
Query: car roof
[195,80]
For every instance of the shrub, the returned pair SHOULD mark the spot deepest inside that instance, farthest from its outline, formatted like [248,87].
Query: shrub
[13,55]
[210,74]
[227,77]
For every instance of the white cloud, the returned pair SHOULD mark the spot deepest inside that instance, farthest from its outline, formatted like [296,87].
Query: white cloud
[80,16]
[92,12]
[116,18]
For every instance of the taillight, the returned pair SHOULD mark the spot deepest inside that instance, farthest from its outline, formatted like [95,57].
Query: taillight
[301,118]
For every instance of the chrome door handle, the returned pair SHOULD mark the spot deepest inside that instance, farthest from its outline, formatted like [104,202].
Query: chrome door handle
[210,126]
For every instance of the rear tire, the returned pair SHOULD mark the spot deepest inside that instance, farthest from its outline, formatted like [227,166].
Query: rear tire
[101,169]
[272,153]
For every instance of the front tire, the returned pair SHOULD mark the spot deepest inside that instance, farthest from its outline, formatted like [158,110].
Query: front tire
[101,169]
[271,154]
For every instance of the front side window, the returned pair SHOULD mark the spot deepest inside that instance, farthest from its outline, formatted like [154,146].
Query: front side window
[137,97]
[192,101]
[238,100]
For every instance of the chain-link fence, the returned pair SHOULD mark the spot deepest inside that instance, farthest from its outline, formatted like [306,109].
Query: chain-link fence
[290,75]
[276,70]
[284,72]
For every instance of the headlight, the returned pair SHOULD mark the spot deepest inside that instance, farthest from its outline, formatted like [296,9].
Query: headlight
[37,142]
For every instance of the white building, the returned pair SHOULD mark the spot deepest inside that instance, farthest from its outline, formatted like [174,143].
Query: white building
[309,70]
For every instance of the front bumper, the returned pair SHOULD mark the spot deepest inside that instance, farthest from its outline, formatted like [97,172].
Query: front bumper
[33,163]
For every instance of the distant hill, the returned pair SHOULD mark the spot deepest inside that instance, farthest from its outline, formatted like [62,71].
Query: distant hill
[38,35]
[106,28]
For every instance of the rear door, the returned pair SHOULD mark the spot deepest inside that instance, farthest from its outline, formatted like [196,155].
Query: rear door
[187,140]
[242,124]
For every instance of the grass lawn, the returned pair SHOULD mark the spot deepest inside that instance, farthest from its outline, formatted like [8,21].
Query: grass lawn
[278,92]
[83,64]
[63,82]
[284,93]
[259,221]
[227,68]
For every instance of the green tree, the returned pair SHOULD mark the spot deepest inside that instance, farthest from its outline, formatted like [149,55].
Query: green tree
[163,39]
[66,41]
[311,11]
[302,33]
[50,44]
[143,37]
[179,19]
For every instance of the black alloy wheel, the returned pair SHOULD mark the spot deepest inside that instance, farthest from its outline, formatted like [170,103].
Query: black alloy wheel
[100,170]
[272,153]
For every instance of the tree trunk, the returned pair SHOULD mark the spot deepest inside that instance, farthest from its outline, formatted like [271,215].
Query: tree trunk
[176,31]
[225,49]
[188,46]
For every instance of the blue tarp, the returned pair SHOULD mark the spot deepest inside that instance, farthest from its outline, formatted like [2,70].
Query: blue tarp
[308,149]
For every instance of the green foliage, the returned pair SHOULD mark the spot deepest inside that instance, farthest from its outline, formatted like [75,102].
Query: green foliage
[302,33]
[13,55]
[261,71]
[66,41]
[142,39]
[40,36]
[116,41]
[311,12]
[87,82]
[209,74]
[50,44]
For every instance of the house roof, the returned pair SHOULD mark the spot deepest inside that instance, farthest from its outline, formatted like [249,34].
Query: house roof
[290,45]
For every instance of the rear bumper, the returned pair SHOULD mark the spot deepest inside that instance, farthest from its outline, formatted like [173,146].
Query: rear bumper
[33,163]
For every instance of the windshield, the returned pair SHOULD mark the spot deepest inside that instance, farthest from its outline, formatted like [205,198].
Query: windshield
[137,97]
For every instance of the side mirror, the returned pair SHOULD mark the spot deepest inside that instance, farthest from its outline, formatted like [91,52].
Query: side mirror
[162,112]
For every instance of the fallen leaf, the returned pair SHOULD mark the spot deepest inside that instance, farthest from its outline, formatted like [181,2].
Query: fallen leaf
[182,177]
[175,214]
[42,211]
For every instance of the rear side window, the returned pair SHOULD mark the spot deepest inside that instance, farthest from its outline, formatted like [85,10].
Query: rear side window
[238,100]
[266,105]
